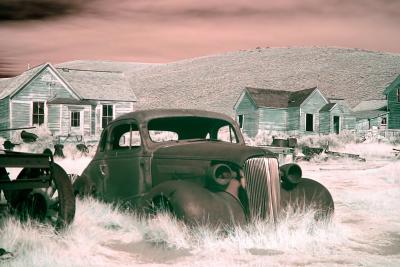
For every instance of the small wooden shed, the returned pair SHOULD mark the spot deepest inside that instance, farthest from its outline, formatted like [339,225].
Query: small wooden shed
[336,116]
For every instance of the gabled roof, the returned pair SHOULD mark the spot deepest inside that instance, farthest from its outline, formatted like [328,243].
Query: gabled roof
[99,84]
[11,85]
[392,85]
[85,84]
[268,97]
[278,98]
[298,97]
[373,104]
[327,107]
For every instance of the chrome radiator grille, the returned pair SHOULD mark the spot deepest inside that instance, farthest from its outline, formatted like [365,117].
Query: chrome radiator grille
[263,187]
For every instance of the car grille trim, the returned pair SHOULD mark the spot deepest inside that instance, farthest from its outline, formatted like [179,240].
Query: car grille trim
[263,187]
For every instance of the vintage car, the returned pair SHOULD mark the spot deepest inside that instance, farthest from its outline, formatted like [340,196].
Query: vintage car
[195,164]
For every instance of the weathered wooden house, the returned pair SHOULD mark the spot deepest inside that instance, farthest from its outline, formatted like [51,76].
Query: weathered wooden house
[371,114]
[293,112]
[67,101]
[392,93]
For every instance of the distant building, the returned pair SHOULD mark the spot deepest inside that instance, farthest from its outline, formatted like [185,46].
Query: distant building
[299,112]
[392,93]
[371,114]
[67,101]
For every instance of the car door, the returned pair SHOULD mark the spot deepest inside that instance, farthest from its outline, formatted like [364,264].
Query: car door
[123,178]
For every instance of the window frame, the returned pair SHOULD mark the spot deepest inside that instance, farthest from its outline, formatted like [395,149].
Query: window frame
[78,119]
[37,114]
[109,118]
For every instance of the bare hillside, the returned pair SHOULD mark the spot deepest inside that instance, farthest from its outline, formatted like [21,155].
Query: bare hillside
[215,82]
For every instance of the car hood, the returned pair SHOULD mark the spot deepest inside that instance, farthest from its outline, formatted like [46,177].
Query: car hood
[210,150]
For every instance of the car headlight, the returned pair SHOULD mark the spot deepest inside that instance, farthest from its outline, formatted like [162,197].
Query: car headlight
[219,176]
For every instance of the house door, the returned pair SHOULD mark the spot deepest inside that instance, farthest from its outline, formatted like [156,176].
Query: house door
[309,122]
[336,124]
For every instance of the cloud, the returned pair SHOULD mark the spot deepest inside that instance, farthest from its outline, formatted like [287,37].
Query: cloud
[39,9]
[168,30]
[210,9]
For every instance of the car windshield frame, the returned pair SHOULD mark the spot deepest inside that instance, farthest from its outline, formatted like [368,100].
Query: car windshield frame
[192,128]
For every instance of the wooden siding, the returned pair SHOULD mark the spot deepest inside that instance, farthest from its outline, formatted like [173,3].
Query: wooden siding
[273,119]
[53,118]
[250,124]
[20,114]
[66,119]
[346,120]
[87,125]
[324,122]
[293,119]
[312,105]
[93,120]
[250,114]
[42,88]
[394,109]
[4,116]
[122,108]
[349,122]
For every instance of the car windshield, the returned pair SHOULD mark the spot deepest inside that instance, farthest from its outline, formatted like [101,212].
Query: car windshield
[191,129]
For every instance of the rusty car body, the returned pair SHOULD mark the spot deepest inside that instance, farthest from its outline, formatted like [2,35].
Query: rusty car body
[196,165]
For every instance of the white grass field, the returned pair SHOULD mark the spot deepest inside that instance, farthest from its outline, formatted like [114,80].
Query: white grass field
[365,229]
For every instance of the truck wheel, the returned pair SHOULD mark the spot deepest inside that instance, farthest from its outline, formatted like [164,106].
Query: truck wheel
[54,204]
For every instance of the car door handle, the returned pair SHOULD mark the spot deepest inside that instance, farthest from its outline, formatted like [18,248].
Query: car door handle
[103,169]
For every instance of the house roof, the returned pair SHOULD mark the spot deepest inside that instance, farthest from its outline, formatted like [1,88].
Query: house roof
[278,98]
[99,84]
[298,97]
[10,85]
[373,104]
[268,97]
[369,114]
[327,107]
[87,84]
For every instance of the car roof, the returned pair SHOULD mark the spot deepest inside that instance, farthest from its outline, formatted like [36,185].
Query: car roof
[149,114]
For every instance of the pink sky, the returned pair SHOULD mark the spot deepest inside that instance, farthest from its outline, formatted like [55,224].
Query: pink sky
[169,30]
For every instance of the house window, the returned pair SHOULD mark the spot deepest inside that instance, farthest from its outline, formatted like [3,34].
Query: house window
[75,119]
[309,122]
[383,121]
[38,113]
[240,121]
[107,115]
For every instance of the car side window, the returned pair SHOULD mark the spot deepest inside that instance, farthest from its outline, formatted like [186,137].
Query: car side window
[125,136]
[226,134]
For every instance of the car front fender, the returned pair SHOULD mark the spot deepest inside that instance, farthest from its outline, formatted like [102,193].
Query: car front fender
[308,195]
[197,205]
